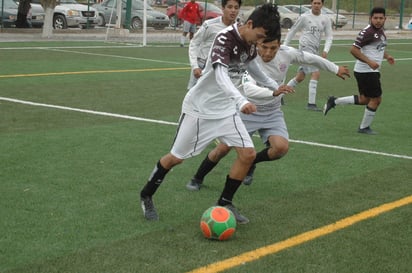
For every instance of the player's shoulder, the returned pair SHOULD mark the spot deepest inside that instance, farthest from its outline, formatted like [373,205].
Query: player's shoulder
[217,21]
[283,49]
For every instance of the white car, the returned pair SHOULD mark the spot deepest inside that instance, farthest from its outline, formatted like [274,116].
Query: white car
[287,17]
[336,20]
[69,13]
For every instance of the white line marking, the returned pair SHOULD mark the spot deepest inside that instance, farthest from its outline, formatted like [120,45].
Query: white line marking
[175,123]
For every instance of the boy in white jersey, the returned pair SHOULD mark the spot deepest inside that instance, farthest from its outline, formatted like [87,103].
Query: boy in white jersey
[369,51]
[209,109]
[312,25]
[268,120]
[202,41]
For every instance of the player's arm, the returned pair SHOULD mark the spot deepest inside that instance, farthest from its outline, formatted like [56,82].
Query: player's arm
[252,90]
[328,38]
[306,58]
[389,58]
[194,47]
[357,53]
[257,73]
[224,82]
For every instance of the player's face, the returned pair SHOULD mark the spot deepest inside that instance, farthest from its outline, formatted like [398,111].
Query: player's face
[267,51]
[253,35]
[316,6]
[230,12]
[378,20]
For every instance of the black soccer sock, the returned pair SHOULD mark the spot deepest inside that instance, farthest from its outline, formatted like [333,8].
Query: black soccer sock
[155,179]
[356,99]
[205,167]
[262,156]
[229,191]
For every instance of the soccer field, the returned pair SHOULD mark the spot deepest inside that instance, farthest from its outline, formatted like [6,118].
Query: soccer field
[82,125]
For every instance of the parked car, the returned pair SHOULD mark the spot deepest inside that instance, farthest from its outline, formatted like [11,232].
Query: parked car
[299,9]
[287,17]
[10,10]
[69,13]
[154,18]
[337,21]
[212,11]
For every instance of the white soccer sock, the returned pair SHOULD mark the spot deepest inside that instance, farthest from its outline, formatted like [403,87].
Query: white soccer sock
[292,83]
[367,118]
[345,100]
[313,85]
[182,40]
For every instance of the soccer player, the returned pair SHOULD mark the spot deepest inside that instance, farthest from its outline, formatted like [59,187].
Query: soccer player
[268,120]
[312,25]
[369,51]
[203,39]
[190,15]
[210,108]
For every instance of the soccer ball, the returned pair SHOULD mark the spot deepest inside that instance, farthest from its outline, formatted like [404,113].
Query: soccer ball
[218,223]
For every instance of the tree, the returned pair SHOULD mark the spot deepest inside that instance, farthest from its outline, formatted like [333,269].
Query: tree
[22,11]
[48,6]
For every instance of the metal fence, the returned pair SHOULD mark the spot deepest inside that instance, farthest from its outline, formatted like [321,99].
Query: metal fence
[398,12]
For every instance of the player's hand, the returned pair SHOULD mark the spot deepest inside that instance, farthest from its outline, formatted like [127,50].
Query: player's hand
[197,72]
[390,59]
[343,72]
[373,65]
[283,89]
[248,108]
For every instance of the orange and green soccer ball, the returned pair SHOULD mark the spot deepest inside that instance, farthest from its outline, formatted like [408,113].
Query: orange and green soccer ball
[218,223]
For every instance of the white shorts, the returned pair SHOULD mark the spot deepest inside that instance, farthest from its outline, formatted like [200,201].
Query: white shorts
[307,69]
[189,27]
[194,134]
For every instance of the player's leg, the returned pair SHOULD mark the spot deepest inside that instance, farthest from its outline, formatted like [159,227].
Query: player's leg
[299,77]
[207,165]
[370,87]
[235,135]
[274,134]
[190,140]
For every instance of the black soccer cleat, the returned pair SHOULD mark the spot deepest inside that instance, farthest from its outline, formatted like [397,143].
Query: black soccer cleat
[367,131]
[240,219]
[194,184]
[313,107]
[149,210]
[330,103]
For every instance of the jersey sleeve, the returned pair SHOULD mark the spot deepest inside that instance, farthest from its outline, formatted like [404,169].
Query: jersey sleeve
[225,84]
[194,45]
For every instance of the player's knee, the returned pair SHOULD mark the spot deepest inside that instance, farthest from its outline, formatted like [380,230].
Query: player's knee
[248,155]
[279,151]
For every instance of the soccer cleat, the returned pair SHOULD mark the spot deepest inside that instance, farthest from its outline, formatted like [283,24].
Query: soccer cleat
[313,107]
[148,208]
[240,219]
[249,176]
[367,131]
[194,184]
[329,105]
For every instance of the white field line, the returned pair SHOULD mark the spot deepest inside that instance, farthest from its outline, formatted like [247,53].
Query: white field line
[118,56]
[175,124]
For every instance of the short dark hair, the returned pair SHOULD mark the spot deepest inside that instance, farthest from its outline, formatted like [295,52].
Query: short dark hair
[378,10]
[224,2]
[266,16]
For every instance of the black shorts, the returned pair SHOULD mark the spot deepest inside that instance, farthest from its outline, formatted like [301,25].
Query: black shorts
[369,84]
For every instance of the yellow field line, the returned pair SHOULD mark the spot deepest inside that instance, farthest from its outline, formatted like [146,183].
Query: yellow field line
[301,238]
[93,72]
